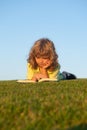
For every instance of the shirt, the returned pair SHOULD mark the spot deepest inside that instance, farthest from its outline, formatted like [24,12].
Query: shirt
[52,74]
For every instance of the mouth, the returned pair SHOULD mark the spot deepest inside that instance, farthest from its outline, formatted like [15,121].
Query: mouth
[42,64]
[45,64]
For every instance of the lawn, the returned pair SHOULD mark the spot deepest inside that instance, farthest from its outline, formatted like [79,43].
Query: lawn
[43,106]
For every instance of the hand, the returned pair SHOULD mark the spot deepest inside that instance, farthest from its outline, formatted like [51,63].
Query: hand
[46,65]
[38,76]
[43,71]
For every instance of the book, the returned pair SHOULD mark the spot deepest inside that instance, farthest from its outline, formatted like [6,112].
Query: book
[40,80]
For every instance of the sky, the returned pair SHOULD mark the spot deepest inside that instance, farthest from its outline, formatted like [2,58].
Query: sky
[22,22]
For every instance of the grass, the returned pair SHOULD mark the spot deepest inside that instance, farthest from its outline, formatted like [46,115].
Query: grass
[43,106]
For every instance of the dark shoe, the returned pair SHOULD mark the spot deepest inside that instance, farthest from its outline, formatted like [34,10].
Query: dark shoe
[68,76]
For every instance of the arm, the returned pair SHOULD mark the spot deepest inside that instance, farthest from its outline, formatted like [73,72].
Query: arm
[42,74]
[36,74]
[30,71]
[54,74]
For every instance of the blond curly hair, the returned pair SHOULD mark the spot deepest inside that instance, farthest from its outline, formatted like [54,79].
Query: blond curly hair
[43,48]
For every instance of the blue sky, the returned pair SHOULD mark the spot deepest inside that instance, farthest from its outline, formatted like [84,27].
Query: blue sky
[22,22]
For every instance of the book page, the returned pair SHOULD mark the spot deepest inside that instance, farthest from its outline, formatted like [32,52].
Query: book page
[47,80]
[25,81]
[41,80]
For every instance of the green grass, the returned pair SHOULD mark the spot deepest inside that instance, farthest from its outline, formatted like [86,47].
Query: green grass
[43,106]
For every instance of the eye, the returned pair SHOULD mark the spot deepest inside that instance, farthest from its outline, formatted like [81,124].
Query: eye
[37,57]
[45,57]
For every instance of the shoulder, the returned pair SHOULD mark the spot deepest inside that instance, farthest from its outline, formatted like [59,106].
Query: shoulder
[29,66]
[57,67]
[56,70]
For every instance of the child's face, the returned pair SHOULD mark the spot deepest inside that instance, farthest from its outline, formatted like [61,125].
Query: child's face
[43,62]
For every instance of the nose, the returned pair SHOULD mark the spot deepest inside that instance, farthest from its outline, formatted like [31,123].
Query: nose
[44,60]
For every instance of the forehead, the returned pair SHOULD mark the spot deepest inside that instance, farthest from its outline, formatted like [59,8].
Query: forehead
[42,53]
[42,56]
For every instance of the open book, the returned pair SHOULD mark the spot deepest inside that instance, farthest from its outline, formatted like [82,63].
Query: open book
[41,80]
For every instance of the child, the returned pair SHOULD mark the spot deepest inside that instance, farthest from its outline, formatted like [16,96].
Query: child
[43,61]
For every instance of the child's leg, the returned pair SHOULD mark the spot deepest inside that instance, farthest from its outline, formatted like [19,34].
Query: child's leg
[68,75]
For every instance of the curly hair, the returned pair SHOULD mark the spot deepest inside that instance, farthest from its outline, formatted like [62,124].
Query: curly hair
[43,48]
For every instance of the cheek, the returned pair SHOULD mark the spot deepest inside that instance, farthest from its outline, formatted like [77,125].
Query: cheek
[37,60]
[49,62]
